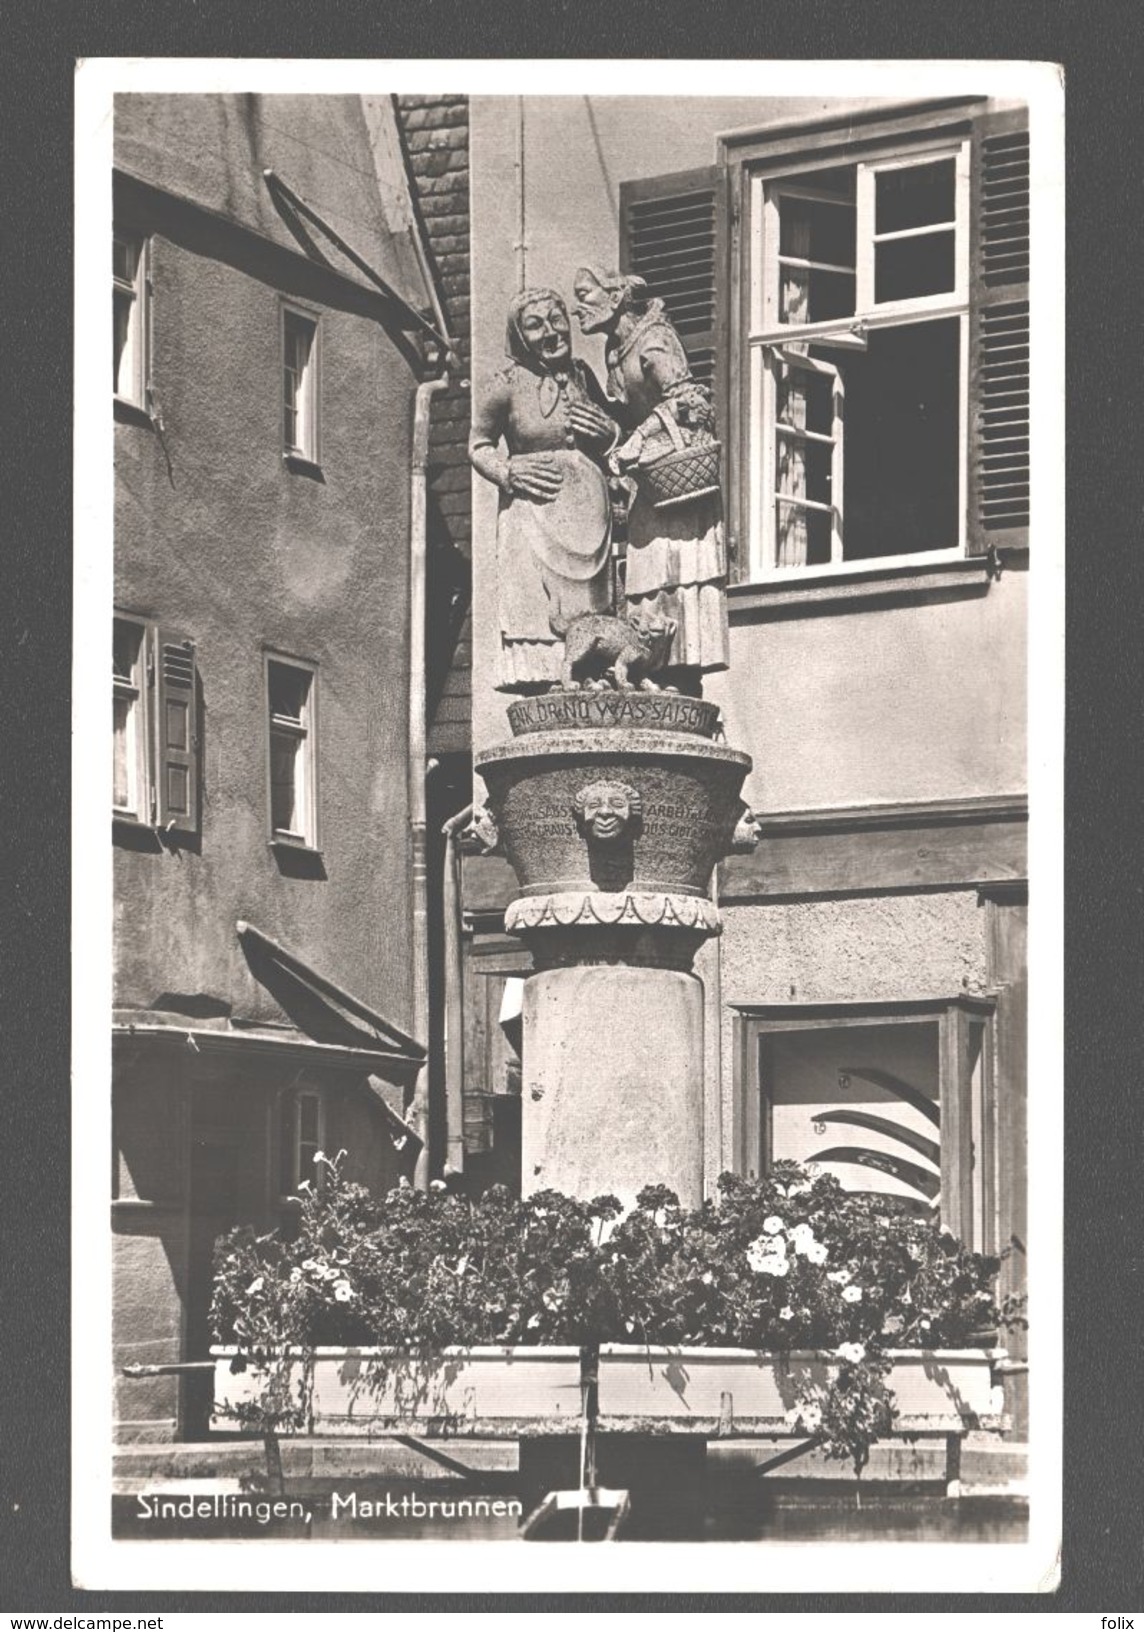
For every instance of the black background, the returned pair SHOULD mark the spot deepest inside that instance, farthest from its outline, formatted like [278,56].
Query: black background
[1102,51]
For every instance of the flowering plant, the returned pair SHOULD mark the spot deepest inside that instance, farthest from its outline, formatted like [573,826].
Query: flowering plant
[780,1263]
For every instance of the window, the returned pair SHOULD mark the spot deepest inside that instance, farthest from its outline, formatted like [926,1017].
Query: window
[292,738]
[892,1098]
[300,386]
[155,780]
[130,298]
[858,361]
[857,294]
[303,1126]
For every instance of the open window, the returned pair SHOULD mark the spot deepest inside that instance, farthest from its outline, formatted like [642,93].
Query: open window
[300,390]
[292,751]
[302,1125]
[893,1099]
[858,293]
[155,734]
[131,319]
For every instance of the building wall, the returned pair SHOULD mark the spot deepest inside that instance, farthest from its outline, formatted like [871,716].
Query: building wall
[915,701]
[218,538]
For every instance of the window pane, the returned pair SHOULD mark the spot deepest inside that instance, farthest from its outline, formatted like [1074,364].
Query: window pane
[914,195]
[284,751]
[901,482]
[813,296]
[806,400]
[123,793]
[817,231]
[124,342]
[288,689]
[124,259]
[804,536]
[308,1120]
[905,268]
[861,1103]
[125,649]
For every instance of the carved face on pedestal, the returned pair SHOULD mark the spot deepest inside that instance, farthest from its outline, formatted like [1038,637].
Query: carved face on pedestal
[606,811]
[546,331]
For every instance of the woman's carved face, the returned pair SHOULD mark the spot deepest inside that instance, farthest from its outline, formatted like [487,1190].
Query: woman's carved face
[594,303]
[546,331]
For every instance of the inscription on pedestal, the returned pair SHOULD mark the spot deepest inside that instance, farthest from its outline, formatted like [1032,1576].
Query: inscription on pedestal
[633,710]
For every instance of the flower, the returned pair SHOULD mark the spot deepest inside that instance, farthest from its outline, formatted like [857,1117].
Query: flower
[786,1312]
[841,1277]
[343,1291]
[256,1285]
[852,1294]
[802,1232]
[854,1352]
[319,1156]
[816,1253]
[807,1416]
[768,1257]
[296,1274]
[773,1225]
[437,1184]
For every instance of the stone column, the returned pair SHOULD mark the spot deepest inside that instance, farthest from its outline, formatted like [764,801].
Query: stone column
[613,1082]
[613,808]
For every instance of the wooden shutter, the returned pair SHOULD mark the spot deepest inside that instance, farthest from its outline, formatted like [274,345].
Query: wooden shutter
[999,335]
[176,762]
[673,234]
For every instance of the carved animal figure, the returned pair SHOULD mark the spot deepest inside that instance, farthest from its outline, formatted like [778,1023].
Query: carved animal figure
[598,642]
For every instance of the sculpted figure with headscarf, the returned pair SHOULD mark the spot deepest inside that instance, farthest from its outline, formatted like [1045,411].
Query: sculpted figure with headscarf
[541,433]
[676,566]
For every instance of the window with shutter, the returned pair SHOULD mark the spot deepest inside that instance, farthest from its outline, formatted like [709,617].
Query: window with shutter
[155,738]
[177,778]
[999,336]
[859,297]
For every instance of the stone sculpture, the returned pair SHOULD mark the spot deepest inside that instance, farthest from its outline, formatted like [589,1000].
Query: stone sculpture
[608,811]
[676,562]
[554,522]
[597,643]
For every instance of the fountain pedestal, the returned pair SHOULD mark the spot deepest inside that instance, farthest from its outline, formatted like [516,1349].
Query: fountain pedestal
[613,808]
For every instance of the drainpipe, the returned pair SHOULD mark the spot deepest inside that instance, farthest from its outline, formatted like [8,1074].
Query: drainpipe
[454,995]
[418,1117]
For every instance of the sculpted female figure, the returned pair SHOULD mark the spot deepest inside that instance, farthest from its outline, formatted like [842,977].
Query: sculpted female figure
[554,524]
[676,562]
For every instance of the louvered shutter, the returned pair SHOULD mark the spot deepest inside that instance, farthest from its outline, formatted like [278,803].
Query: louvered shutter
[673,234]
[999,335]
[176,779]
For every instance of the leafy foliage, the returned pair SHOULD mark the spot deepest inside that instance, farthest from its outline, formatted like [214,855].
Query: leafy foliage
[780,1263]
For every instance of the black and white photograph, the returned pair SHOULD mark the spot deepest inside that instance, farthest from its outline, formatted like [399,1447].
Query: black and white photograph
[579,548]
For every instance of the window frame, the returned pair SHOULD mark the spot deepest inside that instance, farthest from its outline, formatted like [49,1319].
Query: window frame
[757,334]
[305,732]
[290,1129]
[969,1180]
[305,455]
[136,689]
[139,291]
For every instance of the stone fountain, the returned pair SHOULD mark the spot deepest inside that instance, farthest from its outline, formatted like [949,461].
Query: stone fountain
[616,796]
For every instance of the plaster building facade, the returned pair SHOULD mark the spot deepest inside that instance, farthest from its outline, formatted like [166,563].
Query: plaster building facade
[275,315]
[852,281]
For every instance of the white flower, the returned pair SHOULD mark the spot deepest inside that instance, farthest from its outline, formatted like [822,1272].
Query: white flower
[840,1277]
[802,1232]
[437,1184]
[854,1352]
[807,1417]
[773,1225]
[311,1264]
[319,1156]
[802,1240]
[852,1294]
[768,1257]
[305,1185]
[343,1291]
[295,1275]
[786,1313]
[816,1252]
[256,1285]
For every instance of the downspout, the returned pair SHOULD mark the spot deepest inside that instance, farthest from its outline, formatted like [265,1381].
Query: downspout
[454,995]
[418,1117]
